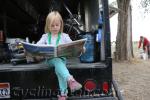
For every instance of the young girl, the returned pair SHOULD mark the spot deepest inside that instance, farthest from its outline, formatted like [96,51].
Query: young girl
[53,36]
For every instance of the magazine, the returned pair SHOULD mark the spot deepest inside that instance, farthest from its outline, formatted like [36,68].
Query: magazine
[71,49]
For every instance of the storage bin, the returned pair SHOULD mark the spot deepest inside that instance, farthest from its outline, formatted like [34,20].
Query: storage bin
[92,52]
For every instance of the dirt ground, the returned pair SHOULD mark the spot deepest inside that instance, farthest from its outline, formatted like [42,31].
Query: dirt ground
[133,78]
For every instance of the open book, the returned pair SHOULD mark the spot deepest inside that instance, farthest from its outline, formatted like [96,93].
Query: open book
[71,49]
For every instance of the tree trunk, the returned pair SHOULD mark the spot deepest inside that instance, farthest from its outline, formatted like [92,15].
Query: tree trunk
[124,50]
[129,35]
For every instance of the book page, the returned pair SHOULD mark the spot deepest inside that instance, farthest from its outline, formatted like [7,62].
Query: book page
[39,50]
[72,49]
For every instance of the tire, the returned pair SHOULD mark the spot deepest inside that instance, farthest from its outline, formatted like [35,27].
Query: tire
[73,31]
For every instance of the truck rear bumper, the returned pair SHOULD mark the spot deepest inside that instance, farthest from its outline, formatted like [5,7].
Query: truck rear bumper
[82,98]
[100,98]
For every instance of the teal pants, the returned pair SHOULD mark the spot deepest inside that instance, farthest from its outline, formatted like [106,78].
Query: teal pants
[61,71]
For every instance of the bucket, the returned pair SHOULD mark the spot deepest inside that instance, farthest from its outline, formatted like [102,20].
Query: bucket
[91,54]
[145,56]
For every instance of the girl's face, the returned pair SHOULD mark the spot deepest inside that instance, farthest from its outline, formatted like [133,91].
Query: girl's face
[55,26]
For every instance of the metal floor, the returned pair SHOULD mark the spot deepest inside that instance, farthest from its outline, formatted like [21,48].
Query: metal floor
[72,63]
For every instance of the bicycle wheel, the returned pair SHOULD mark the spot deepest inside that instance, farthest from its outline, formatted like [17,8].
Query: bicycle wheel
[74,32]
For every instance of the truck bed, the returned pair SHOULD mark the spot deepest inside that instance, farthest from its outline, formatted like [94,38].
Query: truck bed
[39,76]
[71,63]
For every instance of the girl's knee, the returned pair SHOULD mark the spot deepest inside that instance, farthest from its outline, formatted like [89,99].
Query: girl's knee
[60,60]
[57,59]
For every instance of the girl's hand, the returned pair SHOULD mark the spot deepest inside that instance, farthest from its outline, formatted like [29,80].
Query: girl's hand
[83,50]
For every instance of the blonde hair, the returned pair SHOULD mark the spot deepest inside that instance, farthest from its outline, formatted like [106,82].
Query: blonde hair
[50,18]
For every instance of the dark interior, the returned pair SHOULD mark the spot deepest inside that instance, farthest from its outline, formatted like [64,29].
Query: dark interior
[26,18]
